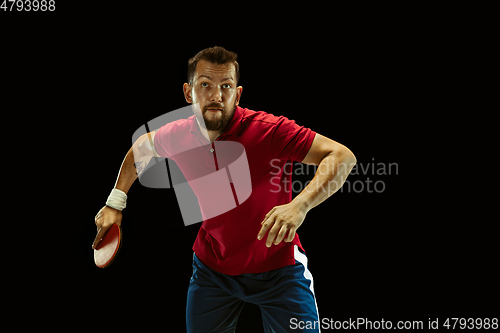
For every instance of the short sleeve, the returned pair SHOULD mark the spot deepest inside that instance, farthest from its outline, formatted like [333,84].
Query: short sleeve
[162,140]
[291,141]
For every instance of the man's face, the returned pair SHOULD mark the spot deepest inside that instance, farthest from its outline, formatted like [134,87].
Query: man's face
[214,89]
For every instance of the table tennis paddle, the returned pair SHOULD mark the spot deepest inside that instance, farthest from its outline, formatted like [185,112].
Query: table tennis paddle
[107,250]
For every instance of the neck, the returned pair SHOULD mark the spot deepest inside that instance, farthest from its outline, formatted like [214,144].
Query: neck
[213,135]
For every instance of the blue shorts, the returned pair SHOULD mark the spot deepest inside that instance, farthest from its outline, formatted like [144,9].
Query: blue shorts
[215,300]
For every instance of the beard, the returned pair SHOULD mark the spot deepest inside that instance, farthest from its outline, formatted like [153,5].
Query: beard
[217,123]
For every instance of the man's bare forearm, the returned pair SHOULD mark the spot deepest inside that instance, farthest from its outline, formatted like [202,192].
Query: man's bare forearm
[135,163]
[127,174]
[329,178]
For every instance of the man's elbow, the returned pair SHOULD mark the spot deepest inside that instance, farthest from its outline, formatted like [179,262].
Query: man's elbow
[144,145]
[351,157]
[346,158]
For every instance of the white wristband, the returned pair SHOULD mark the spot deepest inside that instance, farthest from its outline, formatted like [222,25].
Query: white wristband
[117,199]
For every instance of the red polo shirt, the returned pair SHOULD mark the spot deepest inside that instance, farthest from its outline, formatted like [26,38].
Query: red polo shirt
[228,242]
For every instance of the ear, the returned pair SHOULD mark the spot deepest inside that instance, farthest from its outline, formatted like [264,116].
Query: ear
[239,90]
[187,93]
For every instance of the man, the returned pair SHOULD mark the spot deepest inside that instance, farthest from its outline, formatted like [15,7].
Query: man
[234,261]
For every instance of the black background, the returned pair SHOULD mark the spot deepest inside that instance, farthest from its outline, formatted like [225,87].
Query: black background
[89,77]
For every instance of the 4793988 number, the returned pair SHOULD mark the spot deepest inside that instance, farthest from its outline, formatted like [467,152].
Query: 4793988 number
[28,5]
[471,323]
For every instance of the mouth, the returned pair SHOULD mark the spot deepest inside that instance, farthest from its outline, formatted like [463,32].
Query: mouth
[214,109]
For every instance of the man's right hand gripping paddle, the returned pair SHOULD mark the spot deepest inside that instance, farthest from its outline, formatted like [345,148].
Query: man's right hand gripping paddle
[108,219]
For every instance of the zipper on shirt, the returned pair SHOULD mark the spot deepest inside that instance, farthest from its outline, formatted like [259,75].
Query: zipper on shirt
[212,150]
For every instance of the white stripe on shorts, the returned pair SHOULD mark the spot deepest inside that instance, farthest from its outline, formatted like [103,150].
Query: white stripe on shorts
[300,257]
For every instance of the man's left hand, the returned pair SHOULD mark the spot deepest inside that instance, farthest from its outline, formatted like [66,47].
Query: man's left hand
[281,221]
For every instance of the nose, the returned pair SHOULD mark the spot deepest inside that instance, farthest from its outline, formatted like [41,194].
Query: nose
[216,95]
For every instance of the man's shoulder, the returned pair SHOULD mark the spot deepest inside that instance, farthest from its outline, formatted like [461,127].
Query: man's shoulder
[261,118]
[177,129]
[180,125]
[186,122]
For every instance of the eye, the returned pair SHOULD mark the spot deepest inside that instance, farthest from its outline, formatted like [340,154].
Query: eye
[226,86]
[204,84]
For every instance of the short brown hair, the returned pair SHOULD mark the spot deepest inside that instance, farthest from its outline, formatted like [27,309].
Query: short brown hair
[217,55]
